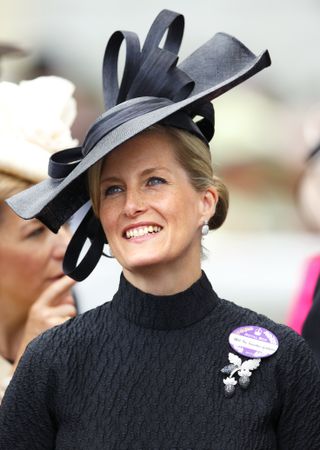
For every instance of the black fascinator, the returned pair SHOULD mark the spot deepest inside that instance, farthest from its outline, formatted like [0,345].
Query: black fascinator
[154,88]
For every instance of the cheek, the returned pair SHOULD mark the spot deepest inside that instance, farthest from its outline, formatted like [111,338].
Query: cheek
[108,221]
[17,265]
[34,263]
[29,263]
[183,208]
[25,256]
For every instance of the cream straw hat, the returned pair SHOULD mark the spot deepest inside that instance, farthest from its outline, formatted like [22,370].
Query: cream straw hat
[35,121]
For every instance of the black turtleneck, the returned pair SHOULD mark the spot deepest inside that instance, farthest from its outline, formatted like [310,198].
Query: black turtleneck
[167,312]
[144,372]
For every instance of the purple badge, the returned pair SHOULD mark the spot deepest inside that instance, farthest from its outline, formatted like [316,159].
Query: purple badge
[253,342]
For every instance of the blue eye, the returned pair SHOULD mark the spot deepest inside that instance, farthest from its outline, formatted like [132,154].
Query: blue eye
[112,190]
[153,181]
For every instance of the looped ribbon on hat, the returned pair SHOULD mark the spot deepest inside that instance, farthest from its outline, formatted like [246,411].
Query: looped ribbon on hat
[91,228]
[151,71]
[150,80]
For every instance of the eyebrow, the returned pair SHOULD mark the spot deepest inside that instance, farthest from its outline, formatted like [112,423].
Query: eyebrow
[154,169]
[29,223]
[143,173]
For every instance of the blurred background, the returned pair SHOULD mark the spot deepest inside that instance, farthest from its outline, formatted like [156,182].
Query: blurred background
[264,128]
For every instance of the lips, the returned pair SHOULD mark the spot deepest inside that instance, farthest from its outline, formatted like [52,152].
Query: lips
[57,277]
[142,230]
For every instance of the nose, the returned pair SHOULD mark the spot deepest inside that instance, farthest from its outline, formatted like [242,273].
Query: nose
[134,203]
[60,243]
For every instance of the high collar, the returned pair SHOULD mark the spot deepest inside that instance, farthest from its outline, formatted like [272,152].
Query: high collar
[165,312]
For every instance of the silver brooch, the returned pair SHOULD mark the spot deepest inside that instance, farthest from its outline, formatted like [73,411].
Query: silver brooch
[243,369]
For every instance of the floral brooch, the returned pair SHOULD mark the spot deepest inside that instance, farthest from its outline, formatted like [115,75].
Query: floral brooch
[242,369]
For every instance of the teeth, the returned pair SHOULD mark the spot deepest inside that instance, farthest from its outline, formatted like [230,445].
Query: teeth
[142,231]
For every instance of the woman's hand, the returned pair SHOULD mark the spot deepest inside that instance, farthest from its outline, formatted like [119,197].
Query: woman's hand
[54,306]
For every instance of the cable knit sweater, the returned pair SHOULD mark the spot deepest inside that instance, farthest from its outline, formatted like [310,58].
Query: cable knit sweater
[144,372]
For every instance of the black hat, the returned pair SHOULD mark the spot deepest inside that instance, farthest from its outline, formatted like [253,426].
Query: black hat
[153,89]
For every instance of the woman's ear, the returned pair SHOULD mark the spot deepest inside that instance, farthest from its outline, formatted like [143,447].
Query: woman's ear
[210,199]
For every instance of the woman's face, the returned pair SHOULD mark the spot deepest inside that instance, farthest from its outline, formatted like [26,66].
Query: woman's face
[30,258]
[150,212]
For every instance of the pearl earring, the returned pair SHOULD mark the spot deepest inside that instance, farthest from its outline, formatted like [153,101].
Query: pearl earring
[205,229]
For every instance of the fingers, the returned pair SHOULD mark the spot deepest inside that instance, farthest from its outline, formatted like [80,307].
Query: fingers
[67,299]
[57,292]
[64,310]
[55,303]
[59,314]
[58,320]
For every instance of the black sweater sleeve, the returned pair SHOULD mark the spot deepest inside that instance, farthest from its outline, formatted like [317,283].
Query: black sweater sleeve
[25,418]
[298,424]
[311,326]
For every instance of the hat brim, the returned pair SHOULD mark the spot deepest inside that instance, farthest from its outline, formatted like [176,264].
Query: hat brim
[54,201]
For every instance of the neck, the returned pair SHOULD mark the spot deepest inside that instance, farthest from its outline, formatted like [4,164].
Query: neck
[11,331]
[161,280]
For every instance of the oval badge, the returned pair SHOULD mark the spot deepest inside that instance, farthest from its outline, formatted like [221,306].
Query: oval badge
[253,341]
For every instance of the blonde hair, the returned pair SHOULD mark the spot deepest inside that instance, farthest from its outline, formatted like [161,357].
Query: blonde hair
[193,155]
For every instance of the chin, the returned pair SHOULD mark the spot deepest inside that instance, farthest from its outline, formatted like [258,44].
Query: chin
[142,262]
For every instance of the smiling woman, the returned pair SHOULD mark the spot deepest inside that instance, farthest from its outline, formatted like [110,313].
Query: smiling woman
[156,367]
[139,193]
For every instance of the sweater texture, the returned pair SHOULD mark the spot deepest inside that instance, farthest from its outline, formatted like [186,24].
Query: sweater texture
[143,372]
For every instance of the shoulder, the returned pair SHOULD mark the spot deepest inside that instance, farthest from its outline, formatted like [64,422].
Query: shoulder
[291,344]
[78,331]
[240,315]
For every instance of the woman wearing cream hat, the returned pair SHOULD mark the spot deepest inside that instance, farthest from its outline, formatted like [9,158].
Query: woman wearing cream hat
[35,120]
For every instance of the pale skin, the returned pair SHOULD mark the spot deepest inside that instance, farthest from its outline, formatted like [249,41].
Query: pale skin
[143,187]
[34,293]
